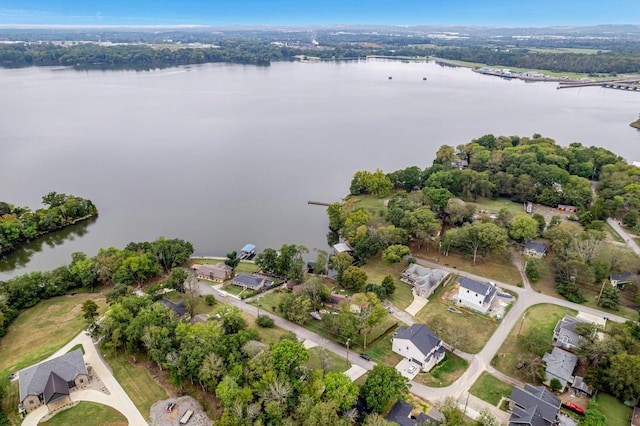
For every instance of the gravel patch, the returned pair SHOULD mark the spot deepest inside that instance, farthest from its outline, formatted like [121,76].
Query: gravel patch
[160,417]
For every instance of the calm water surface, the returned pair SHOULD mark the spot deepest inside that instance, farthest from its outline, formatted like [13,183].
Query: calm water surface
[223,155]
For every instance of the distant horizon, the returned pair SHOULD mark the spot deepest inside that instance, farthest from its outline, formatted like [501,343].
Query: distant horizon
[287,13]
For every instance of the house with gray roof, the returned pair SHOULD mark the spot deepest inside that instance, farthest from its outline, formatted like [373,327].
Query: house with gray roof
[621,278]
[424,280]
[178,308]
[535,249]
[418,344]
[565,336]
[403,414]
[533,406]
[559,365]
[50,382]
[251,282]
[580,388]
[476,295]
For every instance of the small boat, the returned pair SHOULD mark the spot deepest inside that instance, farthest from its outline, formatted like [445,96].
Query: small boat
[390,77]
[424,78]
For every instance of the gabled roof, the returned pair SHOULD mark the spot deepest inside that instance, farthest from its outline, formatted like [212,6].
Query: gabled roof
[565,330]
[535,246]
[535,406]
[252,281]
[342,247]
[622,276]
[55,388]
[475,286]
[248,248]
[178,308]
[578,383]
[219,270]
[33,380]
[401,414]
[560,364]
[424,276]
[420,335]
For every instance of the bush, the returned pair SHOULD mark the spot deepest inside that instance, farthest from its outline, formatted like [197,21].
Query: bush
[210,299]
[532,271]
[555,385]
[264,321]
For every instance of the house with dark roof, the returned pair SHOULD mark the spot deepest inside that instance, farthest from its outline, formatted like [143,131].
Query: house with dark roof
[564,335]
[533,406]
[635,417]
[418,344]
[251,282]
[178,308]
[580,388]
[535,249]
[403,414]
[218,272]
[424,280]
[621,278]
[51,381]
[559,365]
[476,295]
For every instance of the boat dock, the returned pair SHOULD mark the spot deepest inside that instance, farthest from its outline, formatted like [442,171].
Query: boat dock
[632,85]
[318,203]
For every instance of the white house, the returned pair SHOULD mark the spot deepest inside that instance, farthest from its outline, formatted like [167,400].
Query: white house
[621,278]
[419,345]
[475,295]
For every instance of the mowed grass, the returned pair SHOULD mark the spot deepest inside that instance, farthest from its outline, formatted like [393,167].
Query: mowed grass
[51,323]
[494,206]
[446,372]
[332,362]
[377,269]
[136,381]
[543,318]
[243,266]
[87,414]
[470,330]
[372,203]
[489,388]
[615,411]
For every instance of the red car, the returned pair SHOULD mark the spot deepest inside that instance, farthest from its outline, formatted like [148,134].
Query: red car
[170,407]
[573,407]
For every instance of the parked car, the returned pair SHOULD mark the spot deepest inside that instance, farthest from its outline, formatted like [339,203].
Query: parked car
[573,407]
[170,407]
[365,356]
[411,369]
[315,315]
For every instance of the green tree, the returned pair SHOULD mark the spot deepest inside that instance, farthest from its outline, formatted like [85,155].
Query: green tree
[83,268]
[354,278]
[522,228]
[542,223]
[593,416]
[486,419]
[320,266]
[336,216]
[610,297]
[394,254]
[477,238]
[287,356]
[89,310]
[231,319]
[232,261]
[266,260]
[555,385]
[384,385]
[296,308]
[340,389]
[622,376]
[532,271]
[452,414]
[389,284]
[316,291]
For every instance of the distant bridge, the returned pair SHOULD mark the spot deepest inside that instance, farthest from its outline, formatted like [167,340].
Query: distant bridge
[633,85]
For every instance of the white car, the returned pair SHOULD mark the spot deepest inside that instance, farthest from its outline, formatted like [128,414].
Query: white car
[411,369]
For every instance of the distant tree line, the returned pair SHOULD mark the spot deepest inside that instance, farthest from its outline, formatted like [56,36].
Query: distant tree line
[20,224]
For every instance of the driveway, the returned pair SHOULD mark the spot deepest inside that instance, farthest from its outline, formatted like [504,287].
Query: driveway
[117,398]
[630,241]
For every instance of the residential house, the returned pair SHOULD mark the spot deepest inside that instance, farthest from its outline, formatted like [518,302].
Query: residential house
[424,280]
[580,388]
[476,295]
[251,282]
[635,417]
[418,344]
[459,164]
[218,272]
[403,414]
[564,335]
[178,308]
[51,381]
[567,208]
[535,249]
[199,319]
[559,365]
[533,406]
[342,248]
[621,278]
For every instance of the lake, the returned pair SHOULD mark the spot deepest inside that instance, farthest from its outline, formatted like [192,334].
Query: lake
[223,155]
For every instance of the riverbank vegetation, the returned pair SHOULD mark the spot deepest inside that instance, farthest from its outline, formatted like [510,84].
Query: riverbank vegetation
[21,224]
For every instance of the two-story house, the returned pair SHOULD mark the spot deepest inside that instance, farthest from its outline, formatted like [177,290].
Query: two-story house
[418,344]
[476,295]
[564,335]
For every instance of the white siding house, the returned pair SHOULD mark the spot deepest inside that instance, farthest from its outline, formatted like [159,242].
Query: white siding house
[418,344]
[475,295]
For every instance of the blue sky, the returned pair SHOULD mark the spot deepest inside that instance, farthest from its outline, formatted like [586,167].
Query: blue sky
[291,12]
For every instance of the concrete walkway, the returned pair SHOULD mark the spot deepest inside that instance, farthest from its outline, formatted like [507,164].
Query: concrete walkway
[355,372]
[117,398]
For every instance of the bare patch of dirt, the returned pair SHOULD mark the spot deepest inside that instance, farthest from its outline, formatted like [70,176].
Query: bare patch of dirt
[161,417]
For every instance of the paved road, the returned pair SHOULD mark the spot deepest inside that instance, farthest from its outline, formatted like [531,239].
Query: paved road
[117,398]
[628,238]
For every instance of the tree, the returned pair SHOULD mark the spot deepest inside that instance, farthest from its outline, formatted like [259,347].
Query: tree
[354,278]
[486,419]
[384,385]
[176,279]
[378,290]
[622,376]
[610,297]
[316,291]
[267,260]
[296,308]
[368,312]
[423,224]
[83,269]
[340,389]
[542,224]
[232,261]
[555,385]
[532,271]
[593,416]
[451,412]
[394,254]
[320,266]
[231,320]
[340,262]
[336,217]
[478,238]
[522,228]
[287,356]
[534,341]
[389,285]
[89,313]
[264,321]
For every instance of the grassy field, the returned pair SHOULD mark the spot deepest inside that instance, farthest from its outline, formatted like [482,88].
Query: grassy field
[516,209]
[490,389]
[616,412]
[333,361]
[470,330]
[136,381]
[370,202]
[445,373]
[244,266]
[377,269]
[51,323]
[543,317]
[87,414]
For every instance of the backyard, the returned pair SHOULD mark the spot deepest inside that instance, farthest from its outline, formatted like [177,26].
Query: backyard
[490,389]
[445,373]
[377,269]
[87,414]
[615,411]
[319,357]
[243,266]
[544,318]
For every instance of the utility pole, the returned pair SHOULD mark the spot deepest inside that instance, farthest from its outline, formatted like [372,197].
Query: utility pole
[601,290]
[521,322]
[348,341]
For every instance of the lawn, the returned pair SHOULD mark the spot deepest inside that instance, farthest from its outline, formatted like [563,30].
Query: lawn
[470,330]
[494,206]
[89,414]
[543,317]
[243,266]
[136,381]
[372,203]
[377,269]
[614,234]
[616,412]
[490,389]
[445,373]
[51,323]
[332,361]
